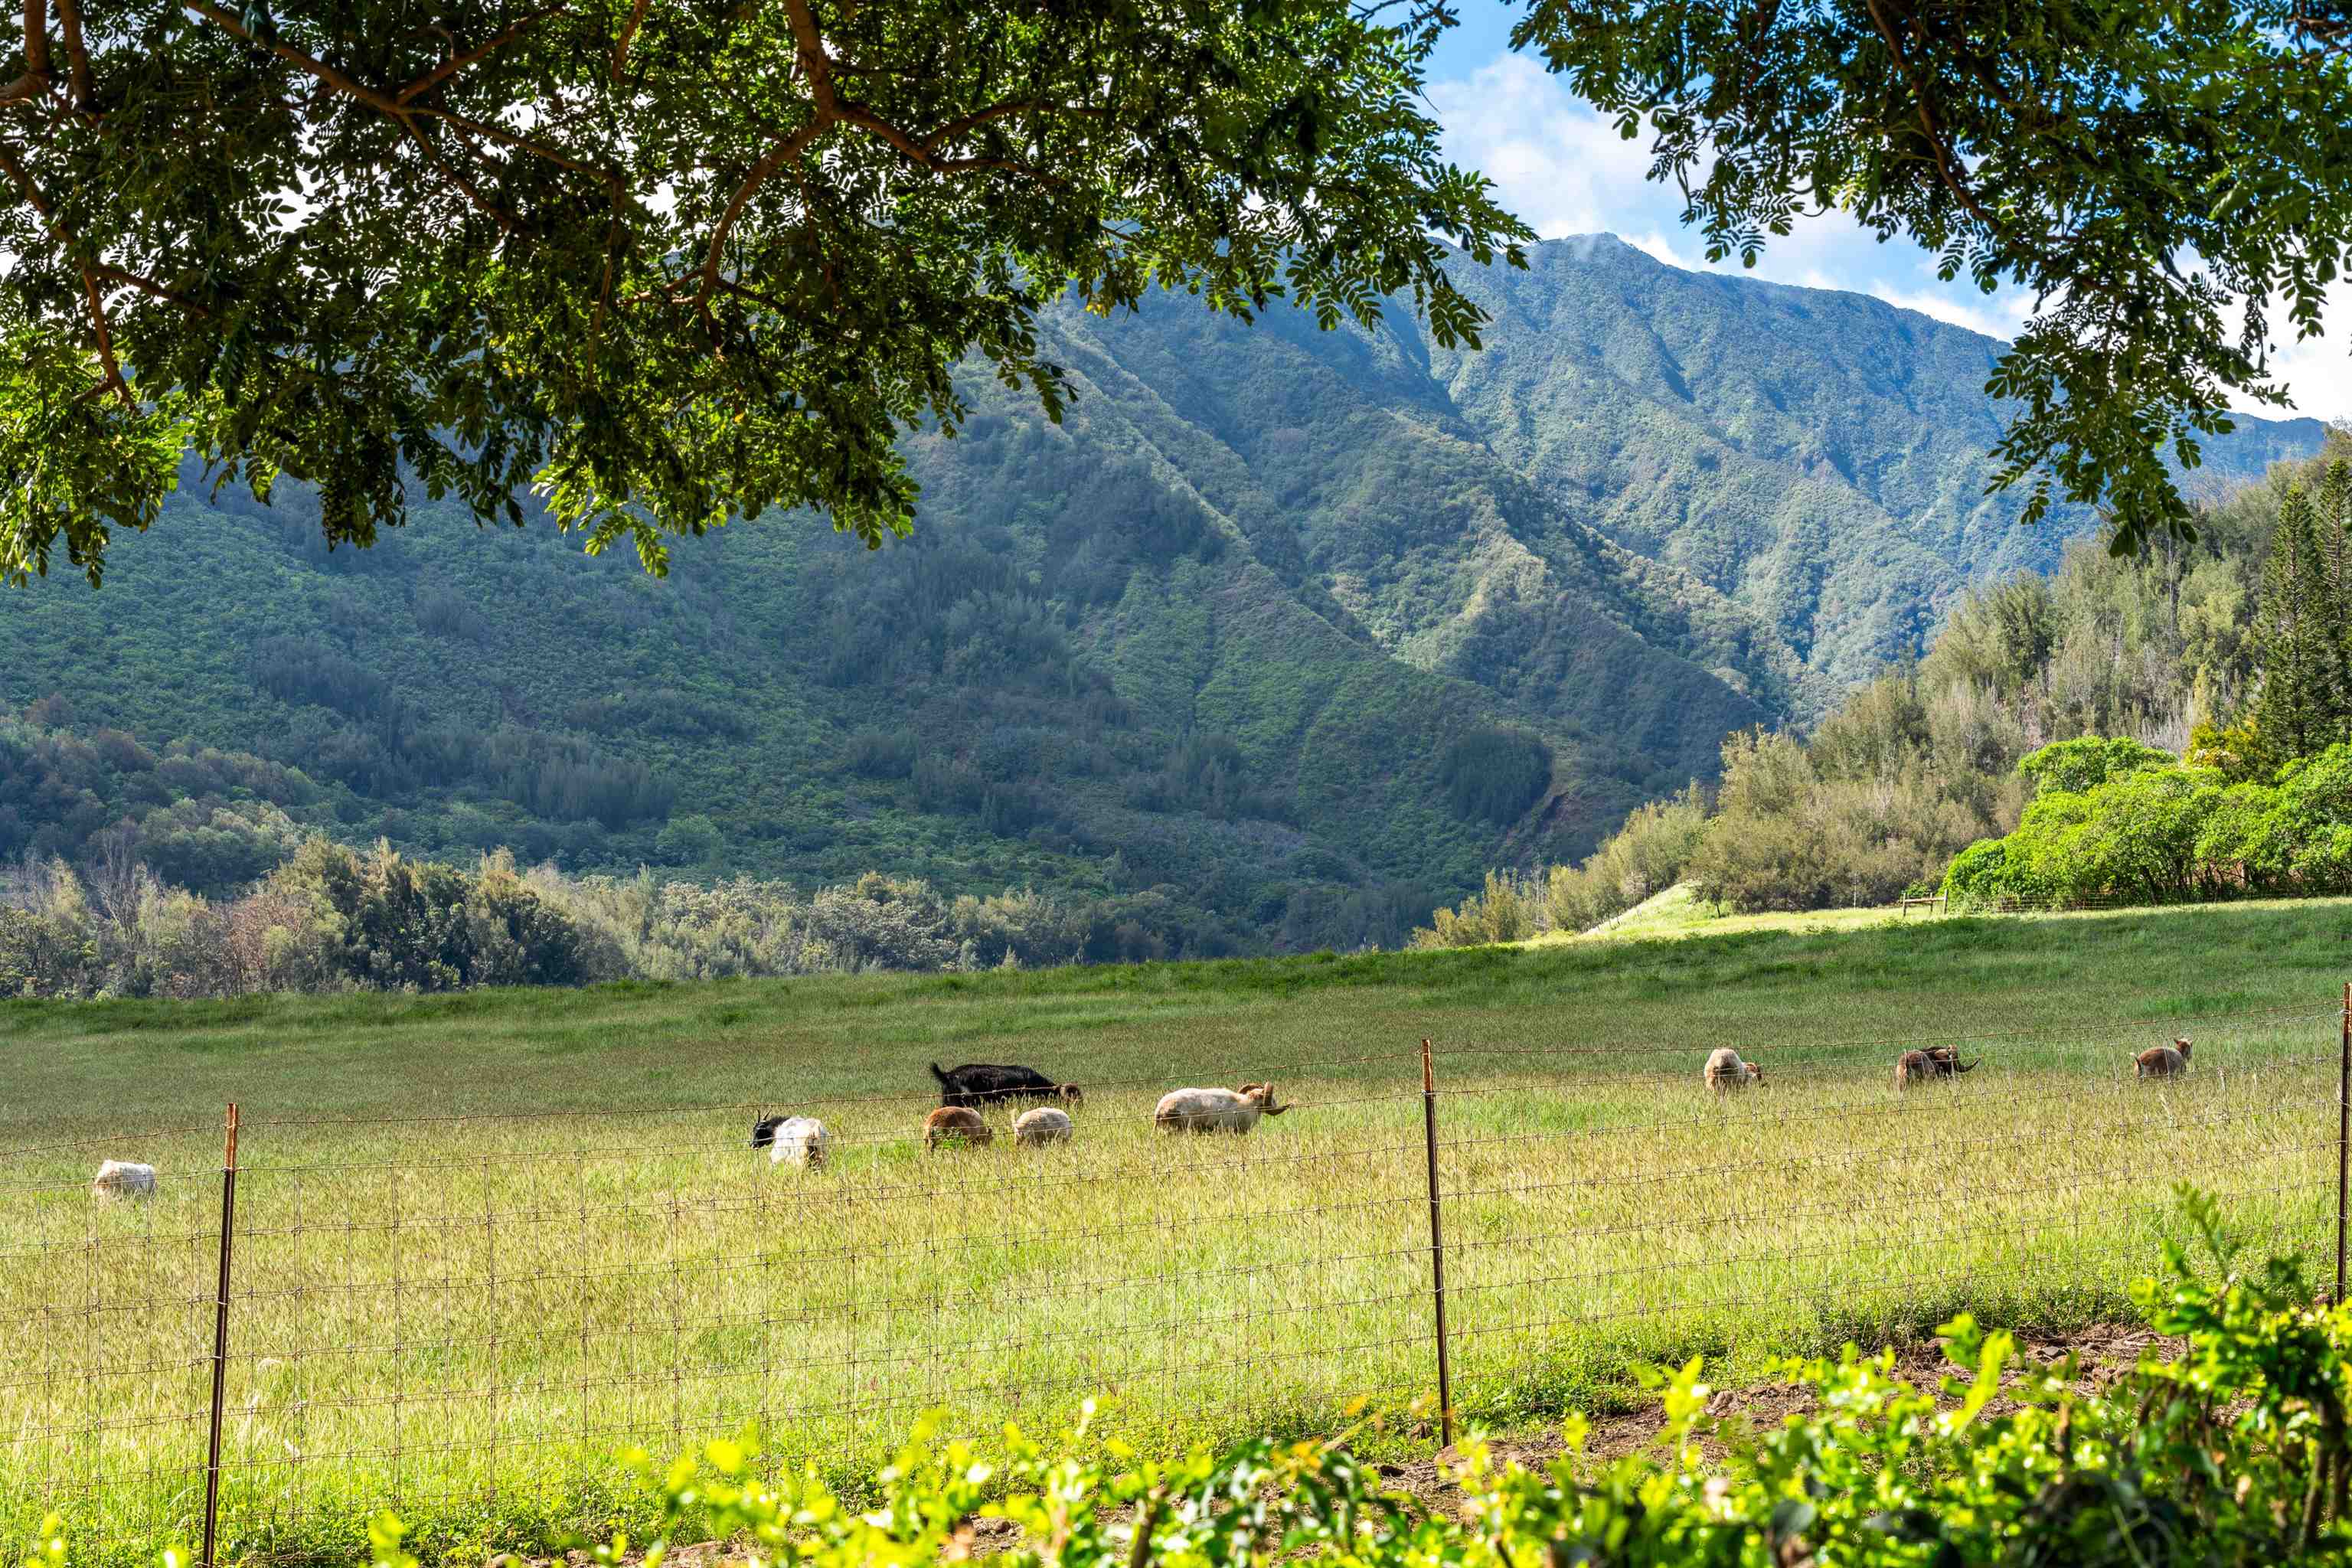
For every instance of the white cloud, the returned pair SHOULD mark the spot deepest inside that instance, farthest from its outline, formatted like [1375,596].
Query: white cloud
[2318,371]
[1996,316]
[1557,164]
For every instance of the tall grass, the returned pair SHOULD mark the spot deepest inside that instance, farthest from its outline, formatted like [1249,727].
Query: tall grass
[467,1311]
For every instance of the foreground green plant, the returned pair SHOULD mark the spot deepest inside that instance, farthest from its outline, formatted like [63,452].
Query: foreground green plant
[2233,1452]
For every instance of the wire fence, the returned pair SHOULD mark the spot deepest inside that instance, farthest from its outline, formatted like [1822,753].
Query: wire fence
[466,1318]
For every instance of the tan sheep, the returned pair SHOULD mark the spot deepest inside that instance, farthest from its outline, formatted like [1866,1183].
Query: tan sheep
[1041,1126]
[1725,1072]
[1215,1109]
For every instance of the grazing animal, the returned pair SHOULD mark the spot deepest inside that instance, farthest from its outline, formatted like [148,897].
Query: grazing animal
[1069,1094]
[1938,1061]
[2162,1061]
[955,1124]
[1043,1125]
[984,1083]
[1725,1072]
[123,1179]
[792,1139]
[1216,1109]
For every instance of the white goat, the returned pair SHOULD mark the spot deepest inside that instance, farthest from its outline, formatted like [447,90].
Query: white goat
[1726,1071]
[1043,1125]
[1216,1109]
[800,1141]
[123,1179]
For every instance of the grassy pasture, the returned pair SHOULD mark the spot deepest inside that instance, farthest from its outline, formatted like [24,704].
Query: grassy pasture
[487,1240]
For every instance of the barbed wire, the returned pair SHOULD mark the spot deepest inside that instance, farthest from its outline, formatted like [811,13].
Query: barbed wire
[2168,1021]
[421,1311]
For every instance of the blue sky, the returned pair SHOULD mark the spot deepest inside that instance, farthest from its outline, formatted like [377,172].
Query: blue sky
[1563,167]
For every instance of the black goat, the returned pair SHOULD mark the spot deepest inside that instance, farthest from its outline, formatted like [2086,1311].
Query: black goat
[984,1083]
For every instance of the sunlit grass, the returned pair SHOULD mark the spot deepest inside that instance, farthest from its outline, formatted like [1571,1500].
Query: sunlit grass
[467,1317]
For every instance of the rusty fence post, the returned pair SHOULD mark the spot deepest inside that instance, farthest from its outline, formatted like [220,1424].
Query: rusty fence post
[220,1343]
[2343,1134]
[1437,1244]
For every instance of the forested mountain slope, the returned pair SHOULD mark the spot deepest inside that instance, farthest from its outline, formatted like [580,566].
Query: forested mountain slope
[1282,637]
[1817,457]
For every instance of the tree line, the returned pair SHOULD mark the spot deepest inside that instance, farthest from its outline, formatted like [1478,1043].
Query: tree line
[332,917]
[2144,728]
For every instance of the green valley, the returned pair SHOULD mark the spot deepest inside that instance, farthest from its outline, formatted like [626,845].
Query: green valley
[1282,637]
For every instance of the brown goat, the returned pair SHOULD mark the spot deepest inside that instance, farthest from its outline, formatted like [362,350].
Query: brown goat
[1937,1061]
[2162,1061]
[955,1124]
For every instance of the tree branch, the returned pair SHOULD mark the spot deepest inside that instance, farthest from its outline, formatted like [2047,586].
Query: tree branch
[629,36]
[80,87]
[148,286]
[1944,158]
[809,45]
[22,178]
[852,112]
[497,215]
[457,62]
[105,341]
[348,87]
[35,81]
[776,157]
[978,118]
[36,40]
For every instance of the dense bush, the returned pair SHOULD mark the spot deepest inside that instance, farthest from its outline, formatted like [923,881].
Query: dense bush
[383,923]
[1644,857]
[882,754]
[2106,665]
[1496,773]
[2088,762]
[331,917]
[1510,908]
[2158,832]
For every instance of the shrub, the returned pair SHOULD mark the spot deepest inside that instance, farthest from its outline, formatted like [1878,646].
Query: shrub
[1508,910]
[2088,762]
[689,840]
[1644,857]
[1495,773]
[1976,874]
[882,754]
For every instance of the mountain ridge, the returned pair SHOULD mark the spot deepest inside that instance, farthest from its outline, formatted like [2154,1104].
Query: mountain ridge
[1281,639]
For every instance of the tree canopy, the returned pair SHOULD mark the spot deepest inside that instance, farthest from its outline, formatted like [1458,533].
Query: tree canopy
[667,260]
[671,260]
[2146,170]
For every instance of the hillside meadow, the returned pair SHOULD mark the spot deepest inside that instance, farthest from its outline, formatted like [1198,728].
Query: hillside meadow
[488,1240]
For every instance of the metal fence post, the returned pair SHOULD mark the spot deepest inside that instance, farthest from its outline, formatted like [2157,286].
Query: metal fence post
[1437,1242]
[220,1343]
[2343,1135]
